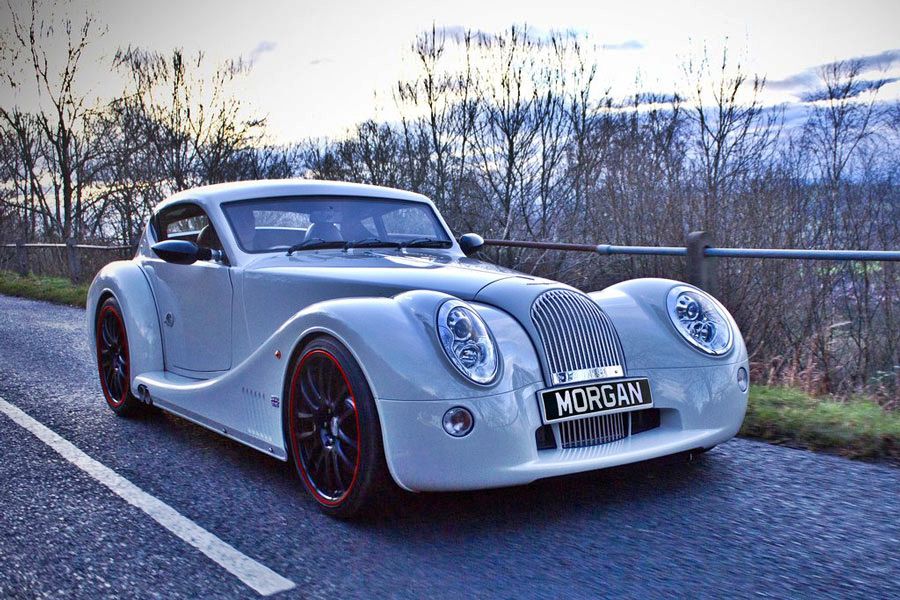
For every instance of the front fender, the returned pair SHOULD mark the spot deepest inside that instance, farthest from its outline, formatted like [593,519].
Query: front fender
[638,310]
[127,283]
[395,342]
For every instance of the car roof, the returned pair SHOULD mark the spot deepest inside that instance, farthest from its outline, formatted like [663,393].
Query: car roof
[211,195]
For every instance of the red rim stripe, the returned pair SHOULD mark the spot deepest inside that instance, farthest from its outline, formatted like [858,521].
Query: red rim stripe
[294,444]
[115,403]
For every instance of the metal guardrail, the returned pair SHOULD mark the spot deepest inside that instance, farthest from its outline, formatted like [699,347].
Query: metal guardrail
[72,256]
[606,249]
[699,251]
[76,246]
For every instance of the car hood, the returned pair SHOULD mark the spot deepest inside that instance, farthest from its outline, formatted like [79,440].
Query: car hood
[334,273]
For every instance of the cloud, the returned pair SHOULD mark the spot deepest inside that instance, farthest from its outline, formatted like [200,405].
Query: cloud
[882,60]
[803,81]
[858,87]
[792,115]
[263,47]
[626,45]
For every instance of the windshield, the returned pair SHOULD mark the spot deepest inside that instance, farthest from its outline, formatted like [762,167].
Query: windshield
[280,224]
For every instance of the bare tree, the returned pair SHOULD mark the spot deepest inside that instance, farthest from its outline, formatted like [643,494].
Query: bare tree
[56,150]
[195,128]
[734,134]
[172,129]
[845,113]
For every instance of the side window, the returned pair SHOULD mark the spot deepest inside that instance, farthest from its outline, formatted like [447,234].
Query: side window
[187,227]
[182,222]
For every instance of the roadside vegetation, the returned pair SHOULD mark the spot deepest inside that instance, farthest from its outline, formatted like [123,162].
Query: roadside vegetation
[53,289]
[855,427]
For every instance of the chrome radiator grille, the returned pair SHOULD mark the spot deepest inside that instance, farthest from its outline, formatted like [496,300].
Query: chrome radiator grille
[579,340]
[592,431]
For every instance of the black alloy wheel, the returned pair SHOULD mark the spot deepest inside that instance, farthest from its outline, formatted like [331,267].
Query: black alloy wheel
[113,361]
[333,429]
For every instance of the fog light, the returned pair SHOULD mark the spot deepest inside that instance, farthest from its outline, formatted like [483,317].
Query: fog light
[743,380]
[458,421]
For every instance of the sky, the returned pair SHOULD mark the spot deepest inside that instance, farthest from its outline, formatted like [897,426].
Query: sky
[320,67]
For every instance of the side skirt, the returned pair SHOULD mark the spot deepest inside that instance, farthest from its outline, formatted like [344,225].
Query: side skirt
[235,435]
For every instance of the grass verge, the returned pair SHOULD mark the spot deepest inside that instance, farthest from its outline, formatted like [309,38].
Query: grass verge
[52,289]
[855,428]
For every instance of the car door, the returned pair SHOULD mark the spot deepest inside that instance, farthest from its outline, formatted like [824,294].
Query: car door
[194,301]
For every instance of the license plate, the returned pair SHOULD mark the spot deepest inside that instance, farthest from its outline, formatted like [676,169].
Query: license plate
[576,401]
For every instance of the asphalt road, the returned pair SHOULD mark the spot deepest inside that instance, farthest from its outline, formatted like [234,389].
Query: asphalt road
[747,519]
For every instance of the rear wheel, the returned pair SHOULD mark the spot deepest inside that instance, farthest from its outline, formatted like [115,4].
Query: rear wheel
[113,361]
[333,430]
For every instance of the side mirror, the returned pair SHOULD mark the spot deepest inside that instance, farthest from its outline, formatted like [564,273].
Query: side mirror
[181,252]
[471,243]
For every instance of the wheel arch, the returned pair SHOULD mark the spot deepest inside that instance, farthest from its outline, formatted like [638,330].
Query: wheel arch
[126,282]
[94,312]
[304,339]
[294,355]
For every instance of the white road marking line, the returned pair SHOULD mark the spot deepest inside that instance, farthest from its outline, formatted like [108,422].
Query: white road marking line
[259,577]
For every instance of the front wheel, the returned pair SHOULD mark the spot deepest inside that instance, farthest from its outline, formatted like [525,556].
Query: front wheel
[333,430]
[113,361]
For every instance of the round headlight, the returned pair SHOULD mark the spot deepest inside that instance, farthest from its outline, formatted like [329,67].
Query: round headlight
[700,320]
[467,341]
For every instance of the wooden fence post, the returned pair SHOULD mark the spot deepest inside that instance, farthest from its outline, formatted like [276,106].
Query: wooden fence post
[73,259]
[21,258]
[701,269]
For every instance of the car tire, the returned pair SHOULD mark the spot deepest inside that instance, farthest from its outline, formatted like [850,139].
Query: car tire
[333,431]
[113,359]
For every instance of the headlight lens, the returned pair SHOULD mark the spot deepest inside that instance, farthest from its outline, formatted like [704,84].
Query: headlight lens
[700,320]
[467,341]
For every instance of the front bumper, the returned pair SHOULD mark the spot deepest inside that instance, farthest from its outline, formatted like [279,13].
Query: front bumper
[699,408]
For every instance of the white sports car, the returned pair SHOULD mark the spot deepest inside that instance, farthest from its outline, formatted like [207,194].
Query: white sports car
[343,327]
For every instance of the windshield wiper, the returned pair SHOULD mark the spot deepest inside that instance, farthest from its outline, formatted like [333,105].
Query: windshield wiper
[370,243]
[425,242]
[315,244]
[320,244]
